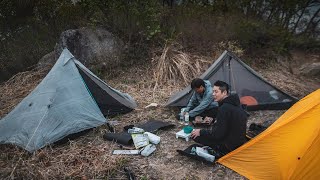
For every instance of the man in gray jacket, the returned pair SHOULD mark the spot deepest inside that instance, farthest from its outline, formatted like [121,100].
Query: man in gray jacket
[201,102]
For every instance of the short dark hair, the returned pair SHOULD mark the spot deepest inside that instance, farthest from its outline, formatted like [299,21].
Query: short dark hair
[223,86]
[196,83]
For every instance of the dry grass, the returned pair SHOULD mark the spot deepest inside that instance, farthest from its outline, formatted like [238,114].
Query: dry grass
[175,65]
[81,159]
[89,157]
[293,84]
[171,64]
[18,87]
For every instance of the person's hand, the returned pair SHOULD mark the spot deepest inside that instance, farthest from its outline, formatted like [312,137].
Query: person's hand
[195,133]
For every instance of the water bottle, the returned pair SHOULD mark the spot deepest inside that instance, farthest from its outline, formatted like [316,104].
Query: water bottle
[186,119]
[181,115]
[204,153]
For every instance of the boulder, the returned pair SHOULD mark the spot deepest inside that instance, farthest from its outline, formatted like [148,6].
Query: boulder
[48,59]
[96,48]
[311,69]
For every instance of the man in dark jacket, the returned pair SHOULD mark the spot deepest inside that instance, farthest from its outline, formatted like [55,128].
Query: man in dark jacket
[229,130]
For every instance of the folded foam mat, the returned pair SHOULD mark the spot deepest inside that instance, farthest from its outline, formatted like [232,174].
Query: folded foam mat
[188,152]
[155,125]
[122,138]
[126,139]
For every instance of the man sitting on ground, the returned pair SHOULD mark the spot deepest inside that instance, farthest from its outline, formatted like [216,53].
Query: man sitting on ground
[229,130]
[201,102]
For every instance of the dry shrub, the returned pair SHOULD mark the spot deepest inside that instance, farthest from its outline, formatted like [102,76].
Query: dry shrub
[18,87]
[174,65]
[232,46]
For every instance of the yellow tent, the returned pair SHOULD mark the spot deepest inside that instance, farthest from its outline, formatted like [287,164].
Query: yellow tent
[288,149]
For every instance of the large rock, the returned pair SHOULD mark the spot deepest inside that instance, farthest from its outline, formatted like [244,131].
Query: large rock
[311,69]
[48,59]
[94,47]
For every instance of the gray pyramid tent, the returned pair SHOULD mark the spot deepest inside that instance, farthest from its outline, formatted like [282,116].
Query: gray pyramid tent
[68,100]
[253,90]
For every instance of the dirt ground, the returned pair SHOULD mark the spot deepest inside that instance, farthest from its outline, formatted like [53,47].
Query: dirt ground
[90,156]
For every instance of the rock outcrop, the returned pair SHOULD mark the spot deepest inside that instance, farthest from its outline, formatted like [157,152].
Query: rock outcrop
[95,47]
[311,69]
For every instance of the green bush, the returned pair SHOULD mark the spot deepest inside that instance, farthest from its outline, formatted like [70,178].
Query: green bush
[25,39]
[29,29]
[306,43]
[253,35]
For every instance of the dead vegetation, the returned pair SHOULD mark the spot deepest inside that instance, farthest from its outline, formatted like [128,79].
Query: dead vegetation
[18,87]
[174,65]
[89,157]
[80,159]
[171,64]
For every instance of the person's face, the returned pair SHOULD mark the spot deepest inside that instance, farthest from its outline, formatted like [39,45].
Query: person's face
[218,95]
[199,90]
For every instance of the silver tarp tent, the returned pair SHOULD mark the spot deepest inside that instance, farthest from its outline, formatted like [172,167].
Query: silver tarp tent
[68,100]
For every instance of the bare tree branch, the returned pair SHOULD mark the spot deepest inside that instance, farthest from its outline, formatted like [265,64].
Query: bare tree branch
[300,16]
[311,20]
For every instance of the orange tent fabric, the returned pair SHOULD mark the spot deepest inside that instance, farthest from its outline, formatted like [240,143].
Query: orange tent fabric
[288,149]
[248,100]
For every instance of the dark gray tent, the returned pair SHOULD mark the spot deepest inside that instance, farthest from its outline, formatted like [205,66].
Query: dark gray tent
[68,100]
[110,101]
[253,90]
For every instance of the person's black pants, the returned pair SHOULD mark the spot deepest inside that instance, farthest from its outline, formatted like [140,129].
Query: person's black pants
[207,140]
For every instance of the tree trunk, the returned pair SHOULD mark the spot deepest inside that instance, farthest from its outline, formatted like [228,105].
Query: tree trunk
[311,20]
[300,16]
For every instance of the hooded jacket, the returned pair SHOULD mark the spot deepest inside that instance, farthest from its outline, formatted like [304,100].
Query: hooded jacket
[231,124]
[201,102]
